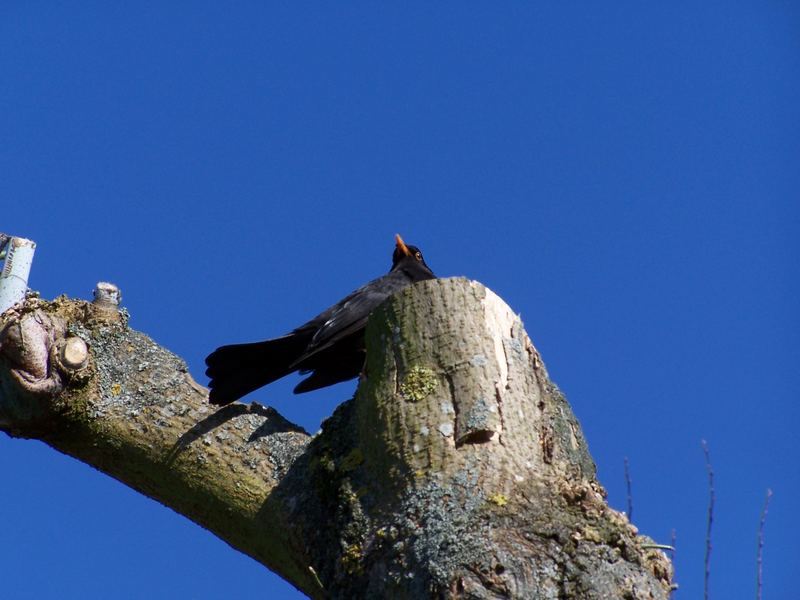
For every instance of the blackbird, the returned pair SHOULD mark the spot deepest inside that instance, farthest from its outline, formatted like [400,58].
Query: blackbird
[330,346]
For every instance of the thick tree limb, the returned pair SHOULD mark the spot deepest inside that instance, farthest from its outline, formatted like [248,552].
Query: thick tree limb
[458,470]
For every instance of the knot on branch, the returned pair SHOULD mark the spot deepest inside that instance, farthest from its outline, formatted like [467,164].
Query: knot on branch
[71,356]
[27,344]
[41,359]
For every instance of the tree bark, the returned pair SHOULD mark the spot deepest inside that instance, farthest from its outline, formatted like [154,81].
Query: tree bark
[458,470]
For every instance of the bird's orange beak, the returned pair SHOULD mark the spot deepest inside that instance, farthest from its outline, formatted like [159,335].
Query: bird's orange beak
[401,245]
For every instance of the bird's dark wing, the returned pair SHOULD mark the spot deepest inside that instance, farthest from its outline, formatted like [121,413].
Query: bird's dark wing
[350,315]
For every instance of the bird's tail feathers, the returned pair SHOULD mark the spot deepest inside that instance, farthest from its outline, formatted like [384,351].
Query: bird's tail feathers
[238,369]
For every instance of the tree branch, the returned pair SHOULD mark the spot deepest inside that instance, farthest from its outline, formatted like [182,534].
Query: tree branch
[135,413]
[458,470]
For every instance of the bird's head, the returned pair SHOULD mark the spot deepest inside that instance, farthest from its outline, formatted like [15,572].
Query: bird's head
[410,259]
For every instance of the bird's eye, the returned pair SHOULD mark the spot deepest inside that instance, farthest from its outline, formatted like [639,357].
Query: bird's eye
[418,255]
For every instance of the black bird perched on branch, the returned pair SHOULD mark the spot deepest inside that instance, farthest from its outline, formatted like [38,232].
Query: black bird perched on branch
[330,346]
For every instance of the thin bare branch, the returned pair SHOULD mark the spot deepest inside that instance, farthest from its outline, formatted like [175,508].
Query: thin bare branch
[673,542]
[628,486]
[759,578]
[658,547]
[673,539]
[710,519]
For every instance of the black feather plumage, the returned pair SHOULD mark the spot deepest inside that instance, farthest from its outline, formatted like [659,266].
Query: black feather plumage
[329,347]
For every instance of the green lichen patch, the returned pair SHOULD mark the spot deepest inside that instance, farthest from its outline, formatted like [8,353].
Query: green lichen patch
[498,499]
[418,383]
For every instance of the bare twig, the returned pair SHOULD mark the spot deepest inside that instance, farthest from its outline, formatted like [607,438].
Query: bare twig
[759,580]
[628,485]
[673,540]
[316,577]
[659,547]
[710,520]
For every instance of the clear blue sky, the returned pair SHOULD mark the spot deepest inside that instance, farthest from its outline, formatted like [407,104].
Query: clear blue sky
[625,177]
